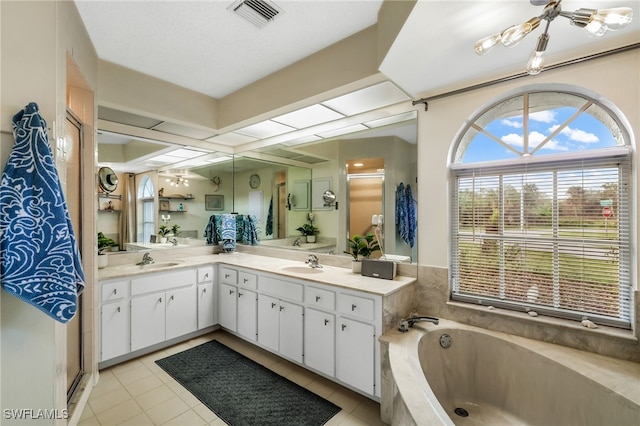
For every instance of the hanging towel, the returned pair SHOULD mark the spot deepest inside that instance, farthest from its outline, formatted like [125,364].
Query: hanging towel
[411,221]
[269,226]
[39,258]
[228,232]
[213,229]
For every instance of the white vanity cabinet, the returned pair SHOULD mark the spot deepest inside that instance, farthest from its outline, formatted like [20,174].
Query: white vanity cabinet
[163,306]
[238,302]
[280,321]
[207,297]
[114,317]
[319,342]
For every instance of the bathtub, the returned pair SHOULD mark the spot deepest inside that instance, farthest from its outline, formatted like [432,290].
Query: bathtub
[492,378]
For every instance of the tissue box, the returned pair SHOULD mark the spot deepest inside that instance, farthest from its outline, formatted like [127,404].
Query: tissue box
[379,269]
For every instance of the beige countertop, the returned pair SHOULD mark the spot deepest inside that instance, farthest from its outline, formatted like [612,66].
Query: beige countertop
[330,275]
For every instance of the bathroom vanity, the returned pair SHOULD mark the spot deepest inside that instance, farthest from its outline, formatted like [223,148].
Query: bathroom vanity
[327,320]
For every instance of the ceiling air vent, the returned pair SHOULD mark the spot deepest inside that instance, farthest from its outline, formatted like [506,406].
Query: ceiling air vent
[258,12]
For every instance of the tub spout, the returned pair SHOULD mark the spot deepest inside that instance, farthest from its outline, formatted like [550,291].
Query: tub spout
[406,323]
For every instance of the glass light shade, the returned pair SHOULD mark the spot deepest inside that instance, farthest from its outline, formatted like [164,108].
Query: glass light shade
[595,28]
[615,18]
[536,63]
[484,45]
[512,35]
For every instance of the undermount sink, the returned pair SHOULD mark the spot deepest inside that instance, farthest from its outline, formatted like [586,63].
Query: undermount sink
[152,266]
[301,269]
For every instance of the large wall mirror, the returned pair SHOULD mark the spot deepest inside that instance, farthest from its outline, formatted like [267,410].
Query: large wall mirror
[282,186]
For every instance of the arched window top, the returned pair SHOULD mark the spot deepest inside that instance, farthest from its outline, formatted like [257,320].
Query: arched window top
[538,123]
[145,190]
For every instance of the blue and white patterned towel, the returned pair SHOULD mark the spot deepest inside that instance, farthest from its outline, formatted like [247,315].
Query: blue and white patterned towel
[228,233]
[39,257]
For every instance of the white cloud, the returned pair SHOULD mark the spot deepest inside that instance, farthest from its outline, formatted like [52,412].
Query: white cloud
[511,123]
[535,139]
[577,135]
[543,116]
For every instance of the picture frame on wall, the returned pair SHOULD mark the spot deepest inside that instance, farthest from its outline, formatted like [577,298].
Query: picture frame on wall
[213,202]
[164,205]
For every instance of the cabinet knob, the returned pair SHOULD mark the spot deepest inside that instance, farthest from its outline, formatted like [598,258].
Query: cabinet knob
[226,275]
[115,291]
[160,300]
[206,275]
[171,298]
[273,305]
[118,310]
[326,321]
[230,291]
[317,298]
[204,290]
[344,326]
[282,308]
[240,294]
[353,307]
[246,280]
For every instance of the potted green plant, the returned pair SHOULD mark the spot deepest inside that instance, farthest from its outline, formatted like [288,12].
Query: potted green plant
[104,244]
[174,229]
[309,231]
[361,248]
[163,231]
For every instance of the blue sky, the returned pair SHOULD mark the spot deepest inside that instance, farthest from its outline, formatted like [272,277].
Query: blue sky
[582,133]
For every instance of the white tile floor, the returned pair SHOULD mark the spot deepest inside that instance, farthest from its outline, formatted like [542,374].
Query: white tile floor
[140,393]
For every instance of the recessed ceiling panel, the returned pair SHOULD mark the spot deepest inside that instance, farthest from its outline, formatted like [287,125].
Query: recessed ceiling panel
[122,117]
[231,139]
[265,129]
[343,131]
[398,118]
[309,116]
[367,99]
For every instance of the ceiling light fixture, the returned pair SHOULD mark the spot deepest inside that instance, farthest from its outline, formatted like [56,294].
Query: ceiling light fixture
[594,22]
[179,180]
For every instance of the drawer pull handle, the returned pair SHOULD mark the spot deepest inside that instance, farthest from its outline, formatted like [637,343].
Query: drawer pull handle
[282,308]
[230,291]
[204,290]
[118,310]
[160,300]
[226,275]
[240,294]
[344,326]
[115,291]
[171,298]
[246,280]
[353,307]
[273,305]
[326,321]
[317,298]
[206,275]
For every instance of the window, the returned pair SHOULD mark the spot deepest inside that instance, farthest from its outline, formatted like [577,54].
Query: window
[541,209]
[146,218]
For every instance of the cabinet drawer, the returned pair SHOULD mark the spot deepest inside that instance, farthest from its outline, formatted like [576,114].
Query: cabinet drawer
[282,289]
[228,276]
[163,281]
[320,298]
[355,306]
[205,274]
[247,280]
[114,291]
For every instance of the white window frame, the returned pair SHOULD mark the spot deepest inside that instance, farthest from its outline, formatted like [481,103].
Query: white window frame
[616,156]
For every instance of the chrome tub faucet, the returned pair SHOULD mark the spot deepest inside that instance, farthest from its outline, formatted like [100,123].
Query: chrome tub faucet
[405,324]
[312,261]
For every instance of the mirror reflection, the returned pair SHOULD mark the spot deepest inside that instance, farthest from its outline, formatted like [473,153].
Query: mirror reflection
[284,187]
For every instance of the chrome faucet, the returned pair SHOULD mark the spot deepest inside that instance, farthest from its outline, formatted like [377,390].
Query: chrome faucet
[173,241]
[146,259]
[414,318]
[312,261]
[296,243]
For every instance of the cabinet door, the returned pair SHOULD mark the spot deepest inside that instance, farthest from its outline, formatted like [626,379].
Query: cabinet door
[247,314]
[228,307]
[291,326]
[355,354]
[268,331]
[147,320]
[206,306]
[114,336]
[181,312]
[319,341]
